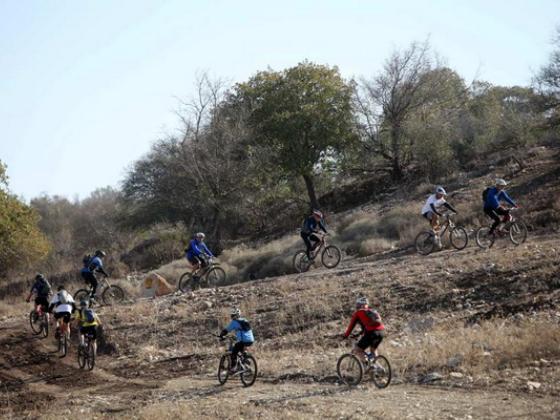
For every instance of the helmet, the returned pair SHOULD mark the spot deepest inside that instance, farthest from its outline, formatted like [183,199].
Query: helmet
[83,303]
[100,253]
[235,313]
[317,213]
[39,276]
[501,182]
[200,235]
[440,190]
[362,301]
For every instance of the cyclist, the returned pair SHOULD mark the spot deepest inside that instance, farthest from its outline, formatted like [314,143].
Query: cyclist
[42,289]
[244,335]
[197,253]
[88,322]
[492,197]
[310,230]
[432,209]
[91,266]
[63,305]
[372,328]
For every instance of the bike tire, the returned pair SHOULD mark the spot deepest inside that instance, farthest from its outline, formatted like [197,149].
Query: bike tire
[518,232]
[44,326]
[349,369]
[90,356]
[185,283]
[63,345]
[459,238]
[81,357]
[424,243]
[216,276]
[298,256]
[381,377]
[112,295]
[483,239]
[35,322]
[249,376]
[82,294]
[223,369]
[331,256]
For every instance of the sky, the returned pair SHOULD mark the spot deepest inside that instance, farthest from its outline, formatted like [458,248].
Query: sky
[87,86]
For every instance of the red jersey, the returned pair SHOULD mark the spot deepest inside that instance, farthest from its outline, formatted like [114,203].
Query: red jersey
[369,319]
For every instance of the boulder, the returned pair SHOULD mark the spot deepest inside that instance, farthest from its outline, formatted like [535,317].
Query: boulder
[155,285]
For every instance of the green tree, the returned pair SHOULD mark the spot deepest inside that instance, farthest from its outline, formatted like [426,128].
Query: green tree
[300,115]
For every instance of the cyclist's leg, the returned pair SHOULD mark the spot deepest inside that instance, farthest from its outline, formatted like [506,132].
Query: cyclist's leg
[66,323]
[376,341]
[94,283]
[316,241]
[361,345]
[236,349]
[503,212]
[434,222]
[305,237]
[494,216]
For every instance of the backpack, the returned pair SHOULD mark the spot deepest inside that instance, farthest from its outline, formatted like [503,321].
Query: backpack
[245,326]
[44,288]
[63,297]
[373,316]
[86,260]
[88,315]
[485,194]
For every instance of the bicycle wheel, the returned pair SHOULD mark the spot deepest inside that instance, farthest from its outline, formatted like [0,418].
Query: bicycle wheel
[82,294]
[518,232]
[90,355]
[35,322]
[112,294]
[331,256]
[483,238]
[296,259]
[215,277]
[63,345]
[44,326]
[381,372]
[304,263]
[249,372]
[459,238]
[349,369]
[223,369]
[186,283]
[81,357]
[424,243]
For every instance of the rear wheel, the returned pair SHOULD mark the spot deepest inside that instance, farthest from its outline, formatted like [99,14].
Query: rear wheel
[90,355]
[215,277]
[381,372]
[82,294]
[458,238]
[424,243]
[112,295]
[223,369]
[296,259]
[483,238]
[186,283]
[63,345]
[349,369]
[331,256]
[35,322]
[44,326]
[518,232]
[249,373]
[81,357]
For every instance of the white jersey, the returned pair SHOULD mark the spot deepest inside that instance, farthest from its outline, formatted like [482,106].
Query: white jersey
[62,307]
[437,202]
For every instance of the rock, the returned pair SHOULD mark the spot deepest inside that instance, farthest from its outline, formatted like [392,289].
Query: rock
[432,377]
[155,285]
[205,304]
[395,343]
[531,386]
[455,361]
[456,375]
[420,324]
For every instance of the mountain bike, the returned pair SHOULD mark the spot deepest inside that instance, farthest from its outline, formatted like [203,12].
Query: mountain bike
[426,241]
[246,366]
[39,322]
[515,229]
[211,275]
[111,294]
[351,369]
[330,255]
[86,353]
[62,341]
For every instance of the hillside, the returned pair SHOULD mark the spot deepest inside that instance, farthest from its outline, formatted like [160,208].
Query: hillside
[470,334]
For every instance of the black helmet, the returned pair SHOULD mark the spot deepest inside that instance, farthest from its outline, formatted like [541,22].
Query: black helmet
[100,253]
[39,276]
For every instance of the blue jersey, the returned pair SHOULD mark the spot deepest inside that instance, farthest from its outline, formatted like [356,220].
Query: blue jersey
[95,264]
[197,248]
[244,332]
[311,225]
[494,197]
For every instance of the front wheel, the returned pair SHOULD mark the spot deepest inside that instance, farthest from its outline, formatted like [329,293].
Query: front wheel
[35,322]
[81,357]
[215,277]
[249,372]
[331,256]
[424,243]
[349,369]
[518,232]
[112,295]
[381,372]
[223,369]
[82,294]
[458,238]
[90,355]
[484,239]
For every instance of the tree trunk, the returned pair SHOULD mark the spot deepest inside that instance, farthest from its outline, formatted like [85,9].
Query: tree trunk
[396,151]
[311,191]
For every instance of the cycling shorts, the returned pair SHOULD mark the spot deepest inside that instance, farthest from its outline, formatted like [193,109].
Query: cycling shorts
[90,330]
[371,338]
[43,301]
[64,315]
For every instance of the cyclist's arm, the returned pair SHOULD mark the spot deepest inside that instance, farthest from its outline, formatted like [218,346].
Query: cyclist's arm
[102,271]
[434,209]
[233,325]
[351,325]
[322,226]
[504,196]
[207,251]
[450,207]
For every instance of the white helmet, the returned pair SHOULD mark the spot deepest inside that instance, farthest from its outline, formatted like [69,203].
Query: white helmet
[361,301]
[235,313]
[501,182]
[440,190]
[200,235]
[317,213]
